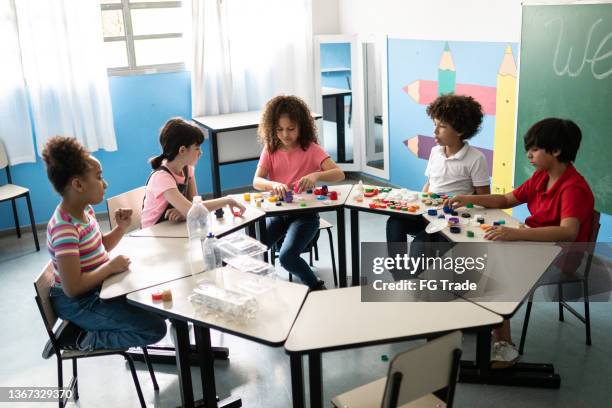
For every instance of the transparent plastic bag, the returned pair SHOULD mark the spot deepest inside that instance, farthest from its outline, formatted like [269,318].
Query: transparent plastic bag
[229,304]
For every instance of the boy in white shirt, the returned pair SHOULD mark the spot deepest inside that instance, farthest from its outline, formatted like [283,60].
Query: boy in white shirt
[454,166]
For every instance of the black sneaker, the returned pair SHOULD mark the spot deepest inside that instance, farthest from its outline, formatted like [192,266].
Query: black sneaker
[319,286]
[67,336]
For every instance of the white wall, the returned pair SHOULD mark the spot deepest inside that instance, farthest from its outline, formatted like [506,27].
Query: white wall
[325,17]
[459,20]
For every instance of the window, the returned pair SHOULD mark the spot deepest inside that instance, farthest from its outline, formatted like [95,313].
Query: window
[143,36]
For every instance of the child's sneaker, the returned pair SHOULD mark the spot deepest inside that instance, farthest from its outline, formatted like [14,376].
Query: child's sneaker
[504,355]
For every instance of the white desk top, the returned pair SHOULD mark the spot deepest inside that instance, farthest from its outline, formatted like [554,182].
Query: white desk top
[311,201]
[233,121]
[337,319]
[513,269]
[277,308]
[154,260]
[470,224]
[352,201]
[220,227]
[328,91]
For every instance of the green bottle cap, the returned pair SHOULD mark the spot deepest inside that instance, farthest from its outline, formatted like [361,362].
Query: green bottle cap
[469,205]
[470,234]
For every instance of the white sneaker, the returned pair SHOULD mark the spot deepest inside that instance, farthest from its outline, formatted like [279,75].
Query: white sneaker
[504,355]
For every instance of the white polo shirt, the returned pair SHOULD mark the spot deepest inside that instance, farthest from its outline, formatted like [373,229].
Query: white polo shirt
[458,174]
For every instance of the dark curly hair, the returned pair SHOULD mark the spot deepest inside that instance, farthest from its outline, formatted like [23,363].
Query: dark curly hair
[462,112]
[553,134]
[176,132]
[64,158]
[298,112]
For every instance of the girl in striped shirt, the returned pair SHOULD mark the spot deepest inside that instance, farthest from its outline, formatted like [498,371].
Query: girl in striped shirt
[79,252]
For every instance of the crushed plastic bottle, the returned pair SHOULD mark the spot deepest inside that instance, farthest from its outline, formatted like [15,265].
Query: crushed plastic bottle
[197,228]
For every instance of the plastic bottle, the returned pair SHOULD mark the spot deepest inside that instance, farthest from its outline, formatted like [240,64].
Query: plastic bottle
[197,228]
[211,253]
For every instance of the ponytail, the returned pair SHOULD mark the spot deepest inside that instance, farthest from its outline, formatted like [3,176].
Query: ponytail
[156,161]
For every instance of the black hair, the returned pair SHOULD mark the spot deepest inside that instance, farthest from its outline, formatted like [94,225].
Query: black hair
[176,132]
[64,158]
[462,112]
[553,134]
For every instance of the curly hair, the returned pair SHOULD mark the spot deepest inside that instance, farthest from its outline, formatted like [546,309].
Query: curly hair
[64,158]
[462,112]
[298,112]
[176,132]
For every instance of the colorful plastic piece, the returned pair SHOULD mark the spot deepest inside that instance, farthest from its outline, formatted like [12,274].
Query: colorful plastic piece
[432,212]
[455,229]
[247,196]
[470,234]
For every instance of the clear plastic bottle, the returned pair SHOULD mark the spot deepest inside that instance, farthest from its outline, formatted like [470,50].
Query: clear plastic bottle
[211,253]
[197,228]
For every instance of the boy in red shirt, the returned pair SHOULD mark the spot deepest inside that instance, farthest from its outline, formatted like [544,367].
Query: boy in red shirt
[559,199]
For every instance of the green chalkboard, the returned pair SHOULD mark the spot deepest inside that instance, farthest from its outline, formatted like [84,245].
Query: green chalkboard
[566,71]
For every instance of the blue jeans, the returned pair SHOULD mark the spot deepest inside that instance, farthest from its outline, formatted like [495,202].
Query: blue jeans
[110,324]
[298,231]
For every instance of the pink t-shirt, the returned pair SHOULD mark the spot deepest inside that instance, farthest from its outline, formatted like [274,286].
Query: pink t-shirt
[289,167]
[155,203]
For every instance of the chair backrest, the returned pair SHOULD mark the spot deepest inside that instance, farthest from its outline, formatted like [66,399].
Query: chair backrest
[423,370]
[42,286]
[595,225]
[3,157]
[131,199]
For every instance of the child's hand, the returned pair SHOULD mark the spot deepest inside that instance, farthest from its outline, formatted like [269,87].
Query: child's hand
[118,264]
[123,217]
[233,204]
[457,201]
[174,215]
[501,233]
[279,189]
[308,181]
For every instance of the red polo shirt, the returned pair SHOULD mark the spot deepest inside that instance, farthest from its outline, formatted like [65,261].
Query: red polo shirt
[569,197]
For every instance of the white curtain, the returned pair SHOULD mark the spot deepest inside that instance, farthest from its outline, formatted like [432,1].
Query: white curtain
[246,51]
[15,126]
[63,61]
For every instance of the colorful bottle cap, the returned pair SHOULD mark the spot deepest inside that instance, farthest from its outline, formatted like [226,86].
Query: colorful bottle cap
[502,222]
[302,204]
[455,229]
[434,195]
[470,234]
[454,213]
[309,191]
[469,205]
[278,203]
[465,215]
[441,216]
[247,196]
[495,223]
[447,209]
[432,212]
[453,220]
[157,296]
[321,197]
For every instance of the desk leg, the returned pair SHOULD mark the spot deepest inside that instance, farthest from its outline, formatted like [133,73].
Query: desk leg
[251,231]
[263,235]
[316,381]
[521,375]
[214,164]
[341,247]
[182,362]
[355,261]
[340,128]
[297,380]
[207,372]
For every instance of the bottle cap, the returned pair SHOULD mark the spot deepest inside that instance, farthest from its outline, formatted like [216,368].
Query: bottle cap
[469,205]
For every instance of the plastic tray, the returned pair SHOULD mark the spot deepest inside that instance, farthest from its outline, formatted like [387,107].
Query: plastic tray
[236,245]
[255,266]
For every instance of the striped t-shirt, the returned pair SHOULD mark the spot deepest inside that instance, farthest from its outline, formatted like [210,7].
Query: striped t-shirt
[69,236]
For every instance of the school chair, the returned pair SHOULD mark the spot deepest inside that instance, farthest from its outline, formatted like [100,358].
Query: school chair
[12,192]
[350,112]
[312,246]
[415,379]
[42,285]
[132,199]
[563,278]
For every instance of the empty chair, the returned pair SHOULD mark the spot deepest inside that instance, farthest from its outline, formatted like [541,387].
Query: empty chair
[42,285]
[563,278]
[413,377]
[131,199]
[12,192]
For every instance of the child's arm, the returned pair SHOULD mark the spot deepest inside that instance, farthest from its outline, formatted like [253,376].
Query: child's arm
[487,200]
[123,219]
[178,201]
[192,188]
[329,172]
[566,232]
[426,187]
[75,282]
[481,190]
[261,183]
[215,203]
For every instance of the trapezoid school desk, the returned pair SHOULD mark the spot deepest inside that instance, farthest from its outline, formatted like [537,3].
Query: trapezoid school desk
[220,227]
[275,315]
[312,204]
[231,149]
[350,323]
[513,269]
[333,110]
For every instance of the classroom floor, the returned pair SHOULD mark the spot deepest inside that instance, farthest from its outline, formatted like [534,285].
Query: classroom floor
[260,375]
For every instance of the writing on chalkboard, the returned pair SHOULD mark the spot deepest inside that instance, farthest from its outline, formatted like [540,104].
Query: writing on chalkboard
[597,58]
